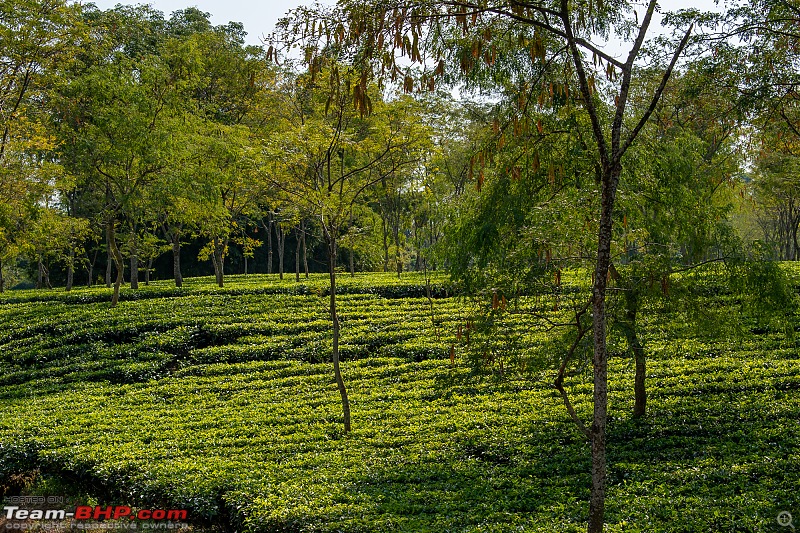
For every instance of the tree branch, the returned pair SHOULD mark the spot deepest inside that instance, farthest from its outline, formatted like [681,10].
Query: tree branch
[657,96]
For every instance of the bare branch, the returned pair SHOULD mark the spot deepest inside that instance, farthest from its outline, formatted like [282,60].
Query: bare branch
[657,96]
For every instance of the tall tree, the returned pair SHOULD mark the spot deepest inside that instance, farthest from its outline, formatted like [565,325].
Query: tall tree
[117,126]
[481,43]
[37,43]
[328,154]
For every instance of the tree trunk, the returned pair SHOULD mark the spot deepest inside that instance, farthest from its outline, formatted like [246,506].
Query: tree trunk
[39,273]
[268,229]
[385,244]
[431,242]
[337,372]
[297,256]
[305,251]
[398,261]
[600,359]
[639,389]
[176,259]
[111,239]
[147,272]
[218,258]
[90,267]
[418,241]
[70,270]
[46,276]
[109,262]
[628,326]
[279,233]
[2,279]
[134,259]
[351,258]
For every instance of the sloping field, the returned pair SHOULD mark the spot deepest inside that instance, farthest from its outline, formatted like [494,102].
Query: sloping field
[221,401]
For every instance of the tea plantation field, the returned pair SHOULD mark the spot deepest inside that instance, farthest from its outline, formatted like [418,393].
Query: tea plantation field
[222,401]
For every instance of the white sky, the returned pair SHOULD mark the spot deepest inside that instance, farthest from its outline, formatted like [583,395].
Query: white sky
[259,16]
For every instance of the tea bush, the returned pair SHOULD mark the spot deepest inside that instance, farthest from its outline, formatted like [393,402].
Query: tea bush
[222,401]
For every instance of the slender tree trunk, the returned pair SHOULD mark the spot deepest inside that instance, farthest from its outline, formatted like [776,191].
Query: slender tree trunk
[385,244]
[90,267]
[147,272]
[2,279]
[640,361]
[109,262]
[176,259]
[600,359]
[431,242]
[297,256]
[268,229]
[628,326]
[111,238]
[70,270]
[305,250]
[639,387]
[418,241]
[134,272]
[279,233]
[39,273]
[337,372]
[134,259]
[351,258]
[218,258]
[397,259]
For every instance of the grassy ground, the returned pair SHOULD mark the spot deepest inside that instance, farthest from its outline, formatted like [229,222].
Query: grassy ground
[222,401]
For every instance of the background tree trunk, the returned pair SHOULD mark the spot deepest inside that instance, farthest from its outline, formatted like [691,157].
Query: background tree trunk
[279,233]
[109,262]
[268,229]
[176,259]
[70,270]
[385,244]
[90,267]
[218,259]
[134,260]
[297,256]
[397,258]
[111,238]
[352,264]
[39,273]
[305,250]
[47,277]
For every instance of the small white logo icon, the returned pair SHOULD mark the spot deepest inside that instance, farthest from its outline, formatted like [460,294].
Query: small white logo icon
[785,519]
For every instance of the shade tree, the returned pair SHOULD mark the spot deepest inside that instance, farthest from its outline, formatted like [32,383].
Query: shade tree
[329,152]
[462,37]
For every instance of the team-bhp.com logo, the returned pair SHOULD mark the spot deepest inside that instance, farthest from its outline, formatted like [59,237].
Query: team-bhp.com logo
[87,512]
[40,514]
